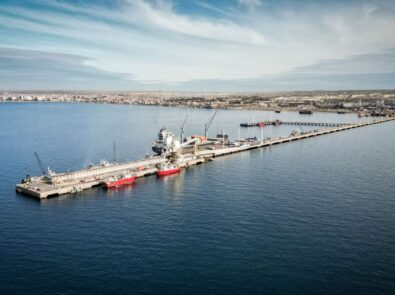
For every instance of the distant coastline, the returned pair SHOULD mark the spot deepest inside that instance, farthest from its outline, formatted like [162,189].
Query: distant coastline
[319,101]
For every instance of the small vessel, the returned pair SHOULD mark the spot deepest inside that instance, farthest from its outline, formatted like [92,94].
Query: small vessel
[341,112]
[277,111]
[167,169]
[305,111]
[121,180]
[261,124]
[277,122]
[248,124]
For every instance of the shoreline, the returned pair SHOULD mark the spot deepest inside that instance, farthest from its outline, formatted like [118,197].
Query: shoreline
[250,108]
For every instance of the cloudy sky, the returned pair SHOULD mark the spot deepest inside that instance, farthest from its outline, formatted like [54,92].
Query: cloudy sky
[202,45]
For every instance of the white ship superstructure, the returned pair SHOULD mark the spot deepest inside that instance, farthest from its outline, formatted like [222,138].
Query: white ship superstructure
[166,142]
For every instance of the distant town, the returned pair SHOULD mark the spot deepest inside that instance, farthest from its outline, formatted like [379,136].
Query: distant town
[374,102]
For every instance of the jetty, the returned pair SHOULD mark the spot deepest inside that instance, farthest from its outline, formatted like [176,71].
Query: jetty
[278,122]
[54,184]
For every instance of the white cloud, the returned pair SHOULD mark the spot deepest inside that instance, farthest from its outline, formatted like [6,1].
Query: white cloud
[221,30]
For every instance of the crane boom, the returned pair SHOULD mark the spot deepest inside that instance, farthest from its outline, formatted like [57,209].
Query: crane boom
[182,128]
[40,164]
[208,124]
[185,120]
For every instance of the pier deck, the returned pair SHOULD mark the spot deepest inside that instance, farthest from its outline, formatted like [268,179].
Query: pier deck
[278,122]
[42,187]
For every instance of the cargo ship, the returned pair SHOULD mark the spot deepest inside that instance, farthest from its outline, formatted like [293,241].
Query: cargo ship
[167,142]
[124,179]
[167,169]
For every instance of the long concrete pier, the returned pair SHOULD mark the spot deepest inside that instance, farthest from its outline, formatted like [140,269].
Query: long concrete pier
[63,183]
[278,122]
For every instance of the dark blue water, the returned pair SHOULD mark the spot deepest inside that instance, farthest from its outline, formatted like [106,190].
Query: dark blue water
[310,217]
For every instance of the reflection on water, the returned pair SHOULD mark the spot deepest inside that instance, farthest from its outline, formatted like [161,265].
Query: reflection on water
[174,183]
[123,189]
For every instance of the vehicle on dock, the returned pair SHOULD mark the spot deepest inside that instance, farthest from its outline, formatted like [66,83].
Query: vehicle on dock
[363,114]
[295,133]
[234,143]
[276,122]
[251,139]
[123,179]
[167,169]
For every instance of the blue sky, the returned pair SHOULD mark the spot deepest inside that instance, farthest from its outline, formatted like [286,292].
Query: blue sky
[218,45]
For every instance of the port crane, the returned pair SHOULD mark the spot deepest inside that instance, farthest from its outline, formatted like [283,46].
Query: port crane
[182,128]
[40,164]
[208,124]
[47,172]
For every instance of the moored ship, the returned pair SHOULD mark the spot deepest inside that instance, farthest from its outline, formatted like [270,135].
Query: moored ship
[124,179]
[167,169]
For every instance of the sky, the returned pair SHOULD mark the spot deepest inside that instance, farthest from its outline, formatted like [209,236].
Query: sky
[192,45]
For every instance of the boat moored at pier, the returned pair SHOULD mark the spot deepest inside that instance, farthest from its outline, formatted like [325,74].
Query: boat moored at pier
[167,169]
[124,179]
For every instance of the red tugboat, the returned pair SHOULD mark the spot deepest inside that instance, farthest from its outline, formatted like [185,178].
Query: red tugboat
[167,169]
[121,180]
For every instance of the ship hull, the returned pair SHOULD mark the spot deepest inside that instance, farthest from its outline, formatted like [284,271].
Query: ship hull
[120,182]
[168,171]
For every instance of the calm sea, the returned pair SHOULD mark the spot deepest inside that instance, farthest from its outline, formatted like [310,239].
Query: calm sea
[310,217]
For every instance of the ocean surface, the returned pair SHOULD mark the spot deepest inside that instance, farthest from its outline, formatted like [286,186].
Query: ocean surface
[315,216]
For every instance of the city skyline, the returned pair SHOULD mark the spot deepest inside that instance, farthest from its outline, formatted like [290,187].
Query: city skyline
[240,45]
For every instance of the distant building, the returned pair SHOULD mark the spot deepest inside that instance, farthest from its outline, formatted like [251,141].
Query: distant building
[380,103]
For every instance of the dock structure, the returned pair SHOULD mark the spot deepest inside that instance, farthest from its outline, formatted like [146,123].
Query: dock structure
[72,182]
[100,171]
[316,124]
[278,122]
